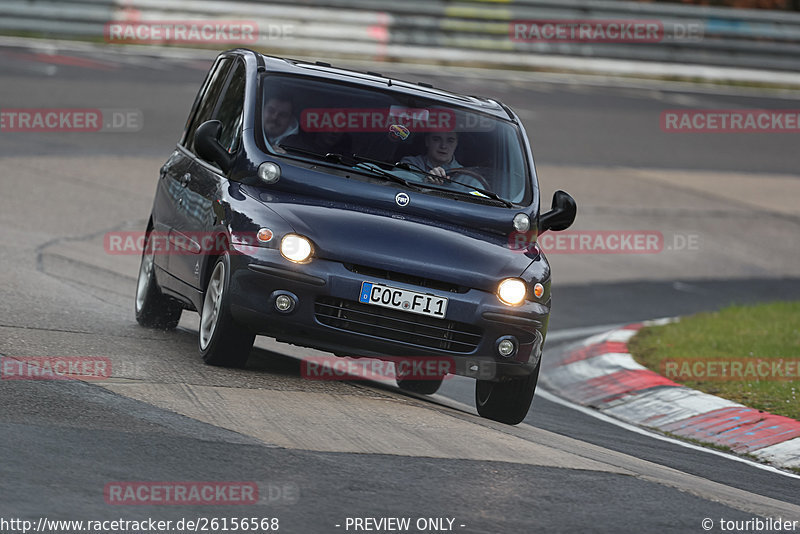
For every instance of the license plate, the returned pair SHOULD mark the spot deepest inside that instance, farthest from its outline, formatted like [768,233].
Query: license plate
[402,299]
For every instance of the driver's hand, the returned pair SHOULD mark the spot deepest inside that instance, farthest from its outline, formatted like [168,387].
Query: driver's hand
[439,175]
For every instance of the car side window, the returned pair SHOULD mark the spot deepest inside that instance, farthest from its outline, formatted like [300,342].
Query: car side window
[230,108]
[209,99]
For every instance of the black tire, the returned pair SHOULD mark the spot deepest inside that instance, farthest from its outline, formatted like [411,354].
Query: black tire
[423,387]
[153,309]
[224,343]
[508,401]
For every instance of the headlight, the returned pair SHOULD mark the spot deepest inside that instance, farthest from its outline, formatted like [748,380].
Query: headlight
[522,223]
[512,291]
[296,248]
[269,172]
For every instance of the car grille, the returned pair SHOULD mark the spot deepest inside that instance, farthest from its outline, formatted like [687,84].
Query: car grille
[405,278]
[395,325]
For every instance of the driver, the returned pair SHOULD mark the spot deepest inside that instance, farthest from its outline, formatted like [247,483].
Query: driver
[439,156]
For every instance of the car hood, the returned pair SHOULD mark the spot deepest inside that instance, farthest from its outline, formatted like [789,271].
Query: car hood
[395,242]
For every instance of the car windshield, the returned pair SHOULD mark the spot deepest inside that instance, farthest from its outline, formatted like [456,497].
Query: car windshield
[422,141]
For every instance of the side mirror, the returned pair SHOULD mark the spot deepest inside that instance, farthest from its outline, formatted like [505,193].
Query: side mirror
[561,214]
[206,142]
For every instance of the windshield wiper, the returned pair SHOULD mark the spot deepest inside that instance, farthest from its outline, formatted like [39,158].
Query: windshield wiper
[415,168]
[340,159]
[330,156]
[377,171]
[364,159]
[485,192]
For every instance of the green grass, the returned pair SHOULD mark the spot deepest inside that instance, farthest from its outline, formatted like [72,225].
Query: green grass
[768,332]
[708,444]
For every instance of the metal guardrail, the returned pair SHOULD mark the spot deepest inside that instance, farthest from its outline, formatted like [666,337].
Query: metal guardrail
[71,18]
[417,29]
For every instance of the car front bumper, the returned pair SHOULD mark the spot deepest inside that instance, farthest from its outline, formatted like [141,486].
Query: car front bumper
[327,316]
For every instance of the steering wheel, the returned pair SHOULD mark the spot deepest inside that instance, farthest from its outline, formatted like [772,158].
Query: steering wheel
[468,172]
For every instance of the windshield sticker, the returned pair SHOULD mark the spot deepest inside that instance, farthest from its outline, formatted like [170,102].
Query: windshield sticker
[399,131]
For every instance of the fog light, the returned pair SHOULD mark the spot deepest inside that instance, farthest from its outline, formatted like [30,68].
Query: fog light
[284,303]
[506,346]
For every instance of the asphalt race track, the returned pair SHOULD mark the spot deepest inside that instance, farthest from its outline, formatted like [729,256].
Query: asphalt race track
[322,452]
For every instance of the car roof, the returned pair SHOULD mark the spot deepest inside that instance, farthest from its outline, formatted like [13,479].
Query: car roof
[325,70]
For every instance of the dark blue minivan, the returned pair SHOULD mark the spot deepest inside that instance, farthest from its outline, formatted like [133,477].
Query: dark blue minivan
[356,214]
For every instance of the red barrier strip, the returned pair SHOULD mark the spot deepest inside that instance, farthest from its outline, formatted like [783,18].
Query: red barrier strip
[741,429]
[606,388]
[594,350]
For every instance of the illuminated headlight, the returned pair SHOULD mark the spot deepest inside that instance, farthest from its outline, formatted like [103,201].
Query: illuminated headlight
[296,248]
[269,172]
[511,291]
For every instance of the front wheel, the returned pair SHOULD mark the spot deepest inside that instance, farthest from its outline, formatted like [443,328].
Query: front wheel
[222,341]
[507,402]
